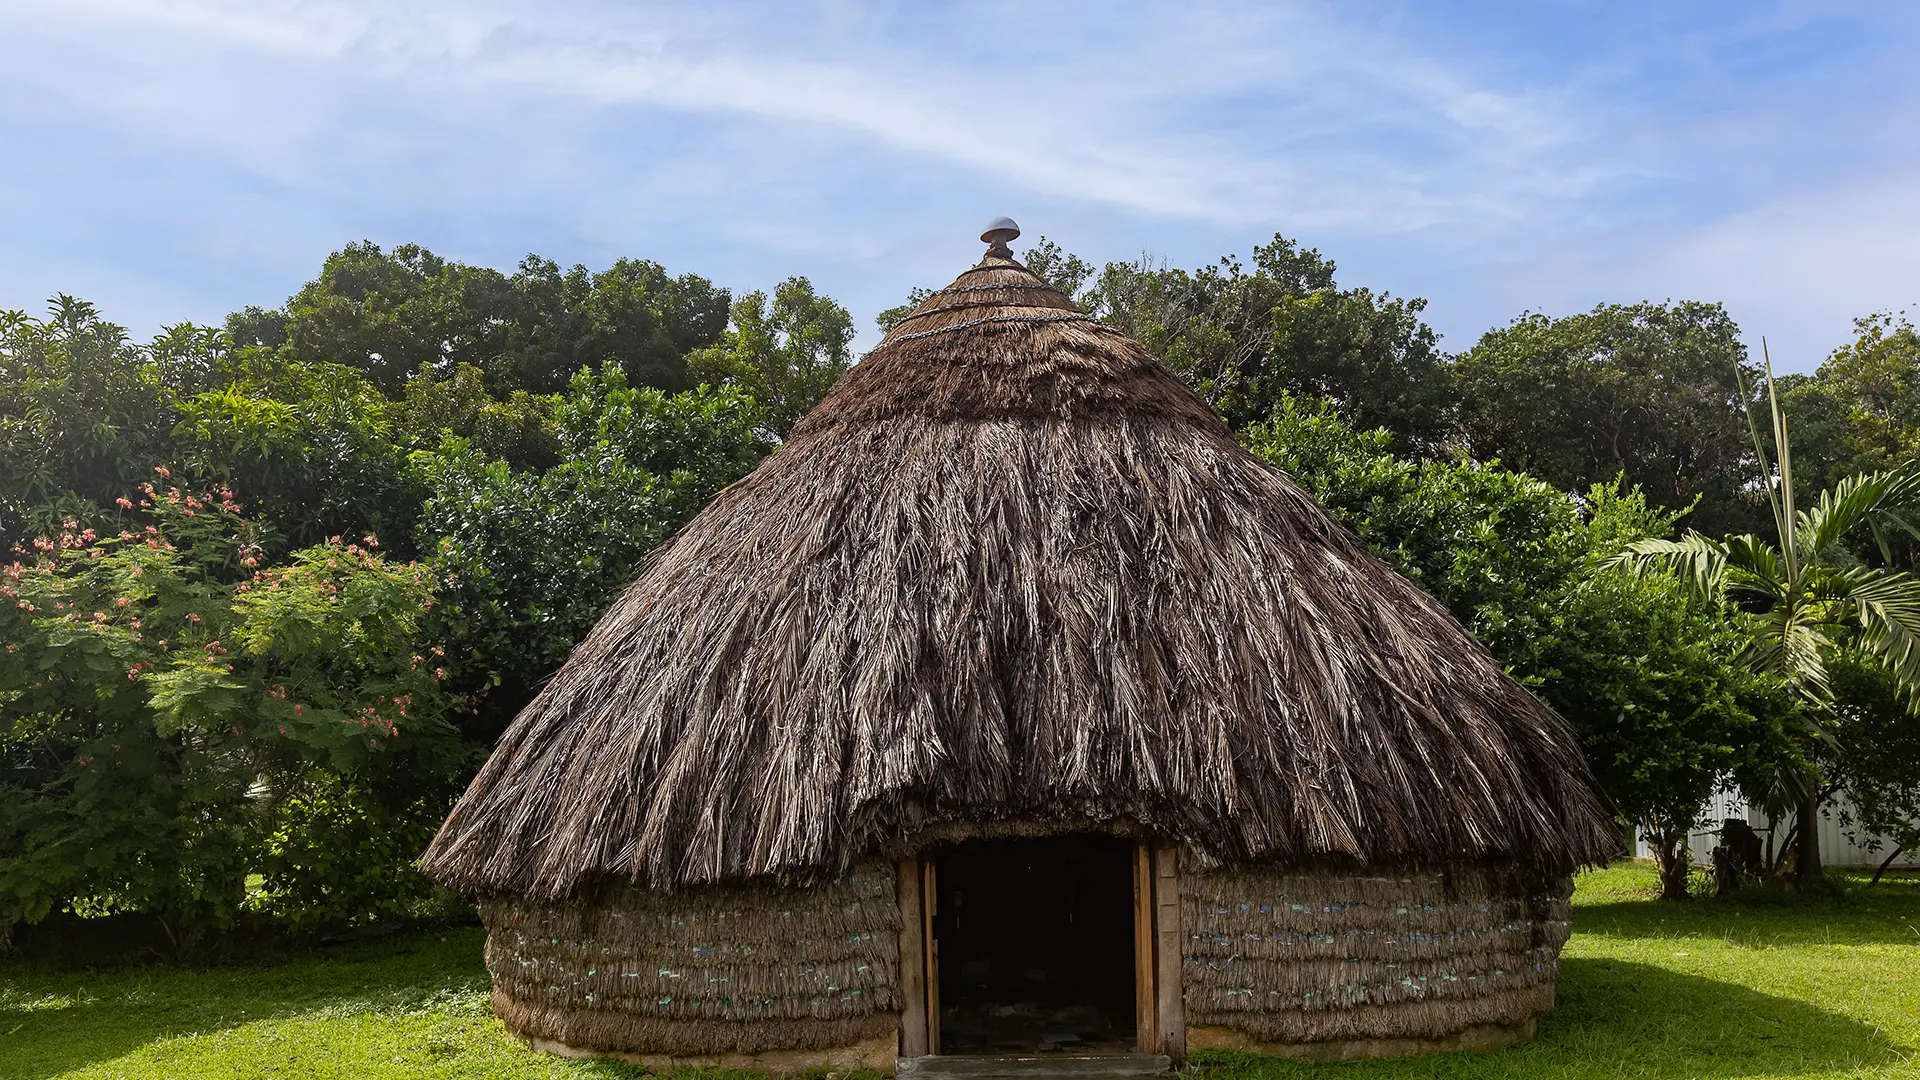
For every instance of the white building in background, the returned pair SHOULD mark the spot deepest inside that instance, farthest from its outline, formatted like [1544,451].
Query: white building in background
[1836,849]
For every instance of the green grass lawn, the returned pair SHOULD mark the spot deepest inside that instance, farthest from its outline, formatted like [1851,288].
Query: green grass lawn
[1756,987]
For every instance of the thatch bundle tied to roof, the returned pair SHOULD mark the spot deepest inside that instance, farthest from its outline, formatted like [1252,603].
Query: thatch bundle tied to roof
[1012,569]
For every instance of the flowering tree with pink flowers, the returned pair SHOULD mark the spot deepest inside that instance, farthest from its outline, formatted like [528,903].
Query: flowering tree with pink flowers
[172,692]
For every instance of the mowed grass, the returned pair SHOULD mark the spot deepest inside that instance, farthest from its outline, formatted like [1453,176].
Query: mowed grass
[415,1007]
[1752,987]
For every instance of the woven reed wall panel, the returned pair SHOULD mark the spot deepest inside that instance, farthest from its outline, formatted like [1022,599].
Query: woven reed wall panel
[707,970]
[1296,957]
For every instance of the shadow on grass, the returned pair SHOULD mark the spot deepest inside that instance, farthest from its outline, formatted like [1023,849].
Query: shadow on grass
[431,986]
[1617,1018]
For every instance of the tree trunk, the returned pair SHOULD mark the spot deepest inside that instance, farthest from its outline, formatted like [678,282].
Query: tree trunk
[1897,849]
[1671,856]
[1783,859]
[1807,872]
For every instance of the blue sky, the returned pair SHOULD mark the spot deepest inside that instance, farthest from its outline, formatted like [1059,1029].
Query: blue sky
[178,160]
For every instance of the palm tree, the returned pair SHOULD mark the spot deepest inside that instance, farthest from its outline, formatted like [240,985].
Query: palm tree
[1805,601]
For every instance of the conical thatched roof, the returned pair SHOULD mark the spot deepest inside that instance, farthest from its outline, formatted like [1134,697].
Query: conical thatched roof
[1012,569]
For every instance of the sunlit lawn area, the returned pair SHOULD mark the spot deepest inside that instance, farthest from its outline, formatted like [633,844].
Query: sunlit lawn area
[1749,988]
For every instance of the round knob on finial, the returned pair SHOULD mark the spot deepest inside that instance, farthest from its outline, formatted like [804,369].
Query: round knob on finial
[999,231]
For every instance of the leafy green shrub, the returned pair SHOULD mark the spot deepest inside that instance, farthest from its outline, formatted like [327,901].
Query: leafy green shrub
[335,854]
[164,689]
[310,448]
[84,414]
[529,560]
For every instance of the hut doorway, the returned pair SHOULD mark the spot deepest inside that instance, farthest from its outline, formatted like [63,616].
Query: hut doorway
[1035,943]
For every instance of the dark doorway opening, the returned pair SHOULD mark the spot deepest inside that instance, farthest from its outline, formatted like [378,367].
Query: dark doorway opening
[1035,945]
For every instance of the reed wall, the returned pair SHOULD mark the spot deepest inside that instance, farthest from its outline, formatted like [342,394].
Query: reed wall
[1290,957]
[711,970]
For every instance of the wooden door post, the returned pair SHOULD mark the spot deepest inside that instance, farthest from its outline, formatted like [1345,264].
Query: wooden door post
[1144,999]
[913,960]
[1170,1021]
[929,903]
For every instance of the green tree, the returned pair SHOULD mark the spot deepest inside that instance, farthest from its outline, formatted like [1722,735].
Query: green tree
[1874,757]
[1651,391]
[1061,269]
[891,317]
[1245,339]
[516,429]
[1661,709]
[1804,605]
[531,558]
[84,414]
[632,314]
[165,689]
[312,450]
[785,354]
[1860,411]
[396,314]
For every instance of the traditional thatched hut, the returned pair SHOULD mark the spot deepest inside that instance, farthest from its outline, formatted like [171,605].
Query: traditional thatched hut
[1011,704]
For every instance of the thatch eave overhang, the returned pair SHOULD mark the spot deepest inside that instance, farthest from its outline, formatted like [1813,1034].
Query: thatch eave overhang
[1012,569]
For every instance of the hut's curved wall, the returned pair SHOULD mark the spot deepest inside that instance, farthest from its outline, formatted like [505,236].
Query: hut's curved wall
[715,974]
[1341,964]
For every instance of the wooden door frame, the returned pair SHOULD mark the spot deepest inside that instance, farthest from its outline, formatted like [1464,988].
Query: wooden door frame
[1164,985]
[930,906]
[919,962]
[1159,1011]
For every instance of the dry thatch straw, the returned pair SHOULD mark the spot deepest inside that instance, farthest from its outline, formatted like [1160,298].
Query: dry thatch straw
[1012,568]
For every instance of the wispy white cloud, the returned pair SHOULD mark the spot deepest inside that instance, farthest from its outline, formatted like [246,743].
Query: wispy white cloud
[1798,269]
[1532,155]
[1260,81]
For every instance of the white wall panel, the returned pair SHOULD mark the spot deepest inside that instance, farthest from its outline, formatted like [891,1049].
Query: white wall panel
[1835,847]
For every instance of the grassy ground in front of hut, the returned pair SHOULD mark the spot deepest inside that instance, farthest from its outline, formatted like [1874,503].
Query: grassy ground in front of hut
[1757,986]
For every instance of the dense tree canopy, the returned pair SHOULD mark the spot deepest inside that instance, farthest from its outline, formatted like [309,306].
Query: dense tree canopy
[274,587]
[785,353]
[1648,391]
[1247,338]
[529,558]
[84,415]
[393,314]
[1860,410]
[385,512]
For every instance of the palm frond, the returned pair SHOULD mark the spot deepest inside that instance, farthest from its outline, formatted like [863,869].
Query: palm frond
[1780,518]
[1795,650]
[1888,610]
[1886,523]
[1699,561]
[1755,579]
[1854,501]
[1784,512]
